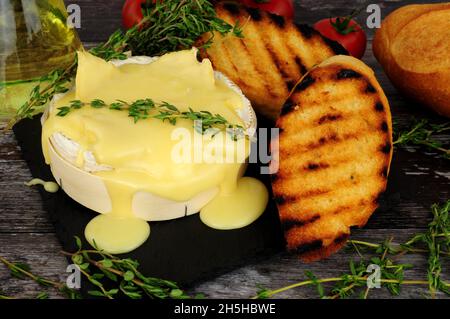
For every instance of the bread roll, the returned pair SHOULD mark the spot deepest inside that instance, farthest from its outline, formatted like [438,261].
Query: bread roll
[413,46]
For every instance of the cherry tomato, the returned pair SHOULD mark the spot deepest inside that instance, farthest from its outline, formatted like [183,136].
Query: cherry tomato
[346,31]
[283,8]
[132,13]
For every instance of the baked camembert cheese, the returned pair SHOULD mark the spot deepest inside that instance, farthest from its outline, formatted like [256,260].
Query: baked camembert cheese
[128,171]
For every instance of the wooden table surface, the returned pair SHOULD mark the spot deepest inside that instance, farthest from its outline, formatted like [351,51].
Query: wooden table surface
[417,180]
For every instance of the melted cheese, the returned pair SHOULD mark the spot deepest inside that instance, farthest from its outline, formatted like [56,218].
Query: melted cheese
[239,208]
[141,154]
[50,187]
[116,235]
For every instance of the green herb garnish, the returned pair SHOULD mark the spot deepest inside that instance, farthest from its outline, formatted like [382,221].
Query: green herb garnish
[41,94]
[175,24]
[435,242]
[355,280]
[167,26]
[22,271]
[146,108]
[96,265]
[422,133]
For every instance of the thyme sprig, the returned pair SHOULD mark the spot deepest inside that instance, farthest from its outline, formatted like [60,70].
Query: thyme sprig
[95,265]
[435,242]
[142,109]
[22,271]
[422,133]
[346,285]
[176,24]
[49,85]
[167,26]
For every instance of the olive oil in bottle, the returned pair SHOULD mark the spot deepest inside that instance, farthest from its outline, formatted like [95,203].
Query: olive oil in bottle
[34,40]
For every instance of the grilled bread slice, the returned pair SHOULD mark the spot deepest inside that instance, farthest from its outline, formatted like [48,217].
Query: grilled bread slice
[272,56]
[335,149]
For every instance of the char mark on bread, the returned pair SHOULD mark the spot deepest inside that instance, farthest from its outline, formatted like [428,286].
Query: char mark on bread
[292,223]
[278,20]
[305,83]
[348,74]
[232,8]
[254,13]
[307,247]
[287,107]
[370,88]
[306,30]
[379,107]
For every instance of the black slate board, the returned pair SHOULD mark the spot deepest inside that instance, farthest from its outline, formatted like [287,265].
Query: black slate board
[183,250]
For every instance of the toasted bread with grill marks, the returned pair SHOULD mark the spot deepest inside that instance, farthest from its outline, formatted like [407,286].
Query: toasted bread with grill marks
[272,56]
[335,149]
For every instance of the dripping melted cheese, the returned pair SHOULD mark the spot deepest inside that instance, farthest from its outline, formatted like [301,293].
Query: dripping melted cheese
[140,154]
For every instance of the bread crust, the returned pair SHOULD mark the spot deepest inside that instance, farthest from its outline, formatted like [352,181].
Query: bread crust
[335,150]
[413,47]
